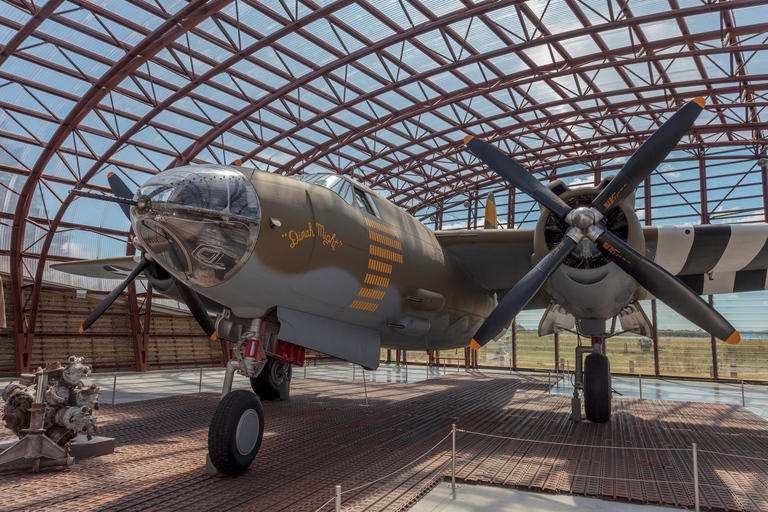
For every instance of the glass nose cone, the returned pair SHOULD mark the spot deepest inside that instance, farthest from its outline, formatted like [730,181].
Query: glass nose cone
[200,222]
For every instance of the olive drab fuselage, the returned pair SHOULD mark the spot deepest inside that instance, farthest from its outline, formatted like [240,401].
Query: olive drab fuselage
[383,270]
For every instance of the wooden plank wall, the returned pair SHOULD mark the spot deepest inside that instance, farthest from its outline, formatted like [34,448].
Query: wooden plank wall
[174,341]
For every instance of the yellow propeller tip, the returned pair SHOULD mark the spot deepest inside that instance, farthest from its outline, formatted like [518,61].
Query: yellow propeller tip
[110,174]
[734,338]
[468,138]
[475,345]
[700,101]
[81,329]
[238,162]
[213,336]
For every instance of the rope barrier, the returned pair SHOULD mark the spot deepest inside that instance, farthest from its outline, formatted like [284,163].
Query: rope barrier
[639,448]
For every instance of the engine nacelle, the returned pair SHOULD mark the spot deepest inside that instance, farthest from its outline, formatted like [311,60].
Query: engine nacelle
[587,272]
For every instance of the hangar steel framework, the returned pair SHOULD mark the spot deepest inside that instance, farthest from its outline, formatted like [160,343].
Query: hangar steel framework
[382,90]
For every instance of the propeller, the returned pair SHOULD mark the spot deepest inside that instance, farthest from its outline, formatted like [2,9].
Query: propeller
[666,287]
[114,294]
[120,189]
[515,174]
[584,222]
[648,156]
[514,301]
[190,296]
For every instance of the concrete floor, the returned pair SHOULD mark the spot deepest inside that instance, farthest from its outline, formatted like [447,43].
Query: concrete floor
[477,498]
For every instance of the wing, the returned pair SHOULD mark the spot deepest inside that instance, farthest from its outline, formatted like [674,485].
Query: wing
[107,268]
[496,258]
[713,259]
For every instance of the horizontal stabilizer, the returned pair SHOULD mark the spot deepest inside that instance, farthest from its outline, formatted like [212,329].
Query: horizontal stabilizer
[106,268]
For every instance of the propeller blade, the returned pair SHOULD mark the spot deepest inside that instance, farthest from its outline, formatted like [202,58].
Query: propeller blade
[516,299]
[648,156]
[120,189]
[114,294]
[196,307]
[516,175]
[667,288]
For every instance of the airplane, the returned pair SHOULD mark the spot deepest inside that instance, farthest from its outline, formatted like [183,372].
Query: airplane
[319,261]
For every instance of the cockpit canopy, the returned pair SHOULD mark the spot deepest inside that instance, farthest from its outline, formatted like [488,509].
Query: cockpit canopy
[204,187]
[344,187]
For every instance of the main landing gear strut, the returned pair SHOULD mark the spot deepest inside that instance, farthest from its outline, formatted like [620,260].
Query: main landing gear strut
[594,380]
[237,425]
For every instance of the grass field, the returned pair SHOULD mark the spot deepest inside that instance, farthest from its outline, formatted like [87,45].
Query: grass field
[678,356]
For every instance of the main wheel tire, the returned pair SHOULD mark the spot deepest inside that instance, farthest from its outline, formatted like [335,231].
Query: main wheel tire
[236,431]
[267,383]
[597,388]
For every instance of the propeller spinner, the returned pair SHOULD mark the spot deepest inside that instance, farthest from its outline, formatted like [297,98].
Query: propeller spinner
[585,222]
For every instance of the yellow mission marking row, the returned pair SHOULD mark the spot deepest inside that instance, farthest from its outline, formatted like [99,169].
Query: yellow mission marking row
[371,294]
[376,280]
[379,266]
[386,254]
[381,227]
[365,306]
[385,240]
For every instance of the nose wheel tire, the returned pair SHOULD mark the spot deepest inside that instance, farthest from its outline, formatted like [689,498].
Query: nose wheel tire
[267,383]
[597,388]
[236,431]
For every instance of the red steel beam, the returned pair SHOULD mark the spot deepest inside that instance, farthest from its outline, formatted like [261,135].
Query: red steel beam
[176,26]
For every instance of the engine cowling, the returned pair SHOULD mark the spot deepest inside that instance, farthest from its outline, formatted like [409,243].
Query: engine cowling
[587,272]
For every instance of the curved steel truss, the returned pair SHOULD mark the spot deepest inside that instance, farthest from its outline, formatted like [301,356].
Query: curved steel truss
[382,90]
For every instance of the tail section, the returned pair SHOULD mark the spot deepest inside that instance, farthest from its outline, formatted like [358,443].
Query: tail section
[490,212]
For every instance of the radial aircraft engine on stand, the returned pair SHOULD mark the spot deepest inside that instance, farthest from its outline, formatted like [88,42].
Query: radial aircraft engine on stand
[46,410]
[590,255]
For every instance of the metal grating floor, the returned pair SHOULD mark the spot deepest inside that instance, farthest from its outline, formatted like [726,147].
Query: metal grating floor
[326,436]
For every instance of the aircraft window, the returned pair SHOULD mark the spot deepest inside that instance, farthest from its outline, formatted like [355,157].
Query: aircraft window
[373,205]
[345,191]
[362,202]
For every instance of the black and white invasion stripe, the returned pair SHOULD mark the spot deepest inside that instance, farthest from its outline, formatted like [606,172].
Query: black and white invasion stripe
[713,259]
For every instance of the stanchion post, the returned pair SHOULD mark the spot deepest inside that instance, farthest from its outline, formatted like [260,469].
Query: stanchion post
[200,387]
[640,380]
[549,381]
[743,401]
[353,370]
[114,386]
[695,476]
[338,498]
[365,387]
[453,456]
[305,369]
[406,371]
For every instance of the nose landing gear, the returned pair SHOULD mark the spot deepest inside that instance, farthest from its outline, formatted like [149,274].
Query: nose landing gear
[595,381]
[237,425]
